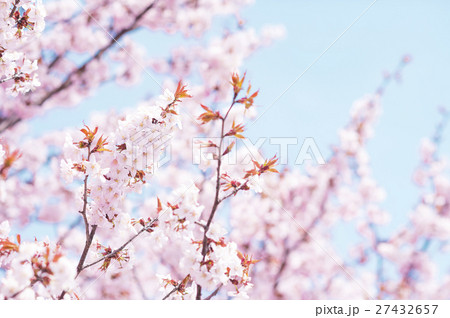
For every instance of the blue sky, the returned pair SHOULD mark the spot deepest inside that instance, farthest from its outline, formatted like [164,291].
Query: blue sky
[318,104]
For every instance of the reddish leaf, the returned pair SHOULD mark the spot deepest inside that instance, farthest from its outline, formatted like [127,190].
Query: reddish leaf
[230,146]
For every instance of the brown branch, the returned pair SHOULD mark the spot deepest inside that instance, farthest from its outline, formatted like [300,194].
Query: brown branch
[85,195]
[118,250]
[286,253]
[54,61]
[234,192]
[22,290]
[90,233]
[113,253]
[66,234]
[15,77]
[198,296]
[14,8]
[214,293]
[287,250]
[10,122]
[86,249]
[172,291]
[61,296]
[217,201]
[181,287]
[69,80]
[4,80]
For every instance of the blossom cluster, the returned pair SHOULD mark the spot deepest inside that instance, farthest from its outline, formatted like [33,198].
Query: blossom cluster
[21,22]
[178,233]
[136,146]
[116,156]
[33,269]
[140,228]
[192,241]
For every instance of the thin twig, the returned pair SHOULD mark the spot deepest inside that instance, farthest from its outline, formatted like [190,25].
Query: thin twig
[66,234]
[287,250]
[90,230]
[13,10]
[4,80]
[234,192]
[69,80]
[22,290]
[113,253]
[214,293]
[172,291]
[217,201]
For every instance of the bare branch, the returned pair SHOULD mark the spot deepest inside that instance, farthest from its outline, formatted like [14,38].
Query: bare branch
[214,293]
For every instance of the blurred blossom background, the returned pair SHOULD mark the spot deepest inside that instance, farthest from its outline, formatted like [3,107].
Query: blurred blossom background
[317,105]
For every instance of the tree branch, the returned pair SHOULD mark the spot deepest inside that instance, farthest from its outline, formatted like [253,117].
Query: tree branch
[69,80]
[113,253]
[22,290]
[90,233]
[4,80]
[86,249]
[71,227]
[172,291]
[287,250]
[10,122]
[234,192]
[214,293]
[217,201]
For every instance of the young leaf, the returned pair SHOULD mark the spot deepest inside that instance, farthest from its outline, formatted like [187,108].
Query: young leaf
[230,146]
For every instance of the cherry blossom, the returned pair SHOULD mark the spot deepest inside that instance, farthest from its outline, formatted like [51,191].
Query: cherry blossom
[132,223]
